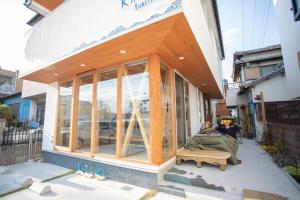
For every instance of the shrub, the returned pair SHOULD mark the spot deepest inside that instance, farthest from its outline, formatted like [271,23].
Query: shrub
[6,113]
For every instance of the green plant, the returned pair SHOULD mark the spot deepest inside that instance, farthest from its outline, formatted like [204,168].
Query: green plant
[292,170]
[6,113]
[267,138]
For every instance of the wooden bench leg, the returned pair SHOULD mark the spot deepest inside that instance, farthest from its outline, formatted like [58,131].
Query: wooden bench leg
[178,161]
[199,164]
[222,167]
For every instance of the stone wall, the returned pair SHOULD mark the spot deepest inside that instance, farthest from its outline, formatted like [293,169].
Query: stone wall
[289,133]
[18,153]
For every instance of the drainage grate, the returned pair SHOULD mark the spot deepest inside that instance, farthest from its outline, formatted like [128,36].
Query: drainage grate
[126,188]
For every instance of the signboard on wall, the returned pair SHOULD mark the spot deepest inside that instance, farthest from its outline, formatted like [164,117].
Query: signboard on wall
[136,4]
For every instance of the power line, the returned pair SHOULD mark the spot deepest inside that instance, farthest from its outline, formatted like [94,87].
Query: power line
[262,24]
[266,24]
[253,23]
[243,10]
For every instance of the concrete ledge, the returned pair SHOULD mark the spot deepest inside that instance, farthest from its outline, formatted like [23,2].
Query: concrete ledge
[118,173]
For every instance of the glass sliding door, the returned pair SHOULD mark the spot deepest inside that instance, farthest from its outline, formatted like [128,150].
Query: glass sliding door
[180,111]
[135,105]
[187,110]
[106,112]
[84,118]
[64,114]
[167,114]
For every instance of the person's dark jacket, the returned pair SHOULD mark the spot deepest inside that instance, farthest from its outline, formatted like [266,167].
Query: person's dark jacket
[232,130]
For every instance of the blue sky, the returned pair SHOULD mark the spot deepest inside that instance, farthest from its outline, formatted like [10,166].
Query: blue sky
[12,40]
[255,27]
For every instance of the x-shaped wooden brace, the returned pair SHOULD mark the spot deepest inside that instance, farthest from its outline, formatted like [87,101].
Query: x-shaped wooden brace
[135,113]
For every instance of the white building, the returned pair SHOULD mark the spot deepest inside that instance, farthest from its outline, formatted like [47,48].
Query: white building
[288,21]
[126,82]
[256,72]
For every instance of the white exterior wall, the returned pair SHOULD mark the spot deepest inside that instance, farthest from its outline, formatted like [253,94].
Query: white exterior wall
[50,116]
[194,110]
[194,13]
[273,89]
[289,32]
[77,25]
[31,88]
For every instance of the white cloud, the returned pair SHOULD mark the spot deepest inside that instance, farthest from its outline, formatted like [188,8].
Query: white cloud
[231,32]
[230,35]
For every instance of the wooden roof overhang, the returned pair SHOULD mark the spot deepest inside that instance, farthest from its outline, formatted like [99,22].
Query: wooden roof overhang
[170,38]
[49,4]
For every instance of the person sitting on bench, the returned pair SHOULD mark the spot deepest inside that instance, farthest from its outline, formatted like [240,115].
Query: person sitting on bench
[228,128]
[210,139]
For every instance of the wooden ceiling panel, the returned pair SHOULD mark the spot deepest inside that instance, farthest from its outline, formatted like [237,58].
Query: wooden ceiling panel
[181,43]
[49,4]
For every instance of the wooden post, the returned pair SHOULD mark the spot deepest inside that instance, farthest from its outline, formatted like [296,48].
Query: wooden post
[119,113]
[94,125]
[263,111]
[73,118]
[174,111]
[155,110]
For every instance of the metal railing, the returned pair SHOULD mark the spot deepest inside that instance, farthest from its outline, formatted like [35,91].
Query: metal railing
[21,136]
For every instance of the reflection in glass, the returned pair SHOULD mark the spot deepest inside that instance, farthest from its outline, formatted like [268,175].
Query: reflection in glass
[64,114]
[187,109]
[167,122]
[180,111]
[84,113]
[135,97]
[107,112]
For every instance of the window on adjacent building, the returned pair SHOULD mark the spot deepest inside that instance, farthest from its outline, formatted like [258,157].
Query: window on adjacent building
[252,73]
[266,70]
[296,9]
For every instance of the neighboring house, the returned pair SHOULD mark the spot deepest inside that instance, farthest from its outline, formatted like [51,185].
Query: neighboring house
[126,82]
[25,109]
[8,82]
[19,107]
[231,92]
[257,71]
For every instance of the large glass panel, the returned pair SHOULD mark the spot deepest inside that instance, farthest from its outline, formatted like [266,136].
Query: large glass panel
[180,111]
[187,109]
[64,114]
[107,112]
[84,113]
[135,97]
[167,113]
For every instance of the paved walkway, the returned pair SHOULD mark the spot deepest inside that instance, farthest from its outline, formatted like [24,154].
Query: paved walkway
[35,170]
[257,172]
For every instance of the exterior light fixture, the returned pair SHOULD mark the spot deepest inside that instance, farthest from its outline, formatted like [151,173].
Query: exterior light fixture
[204,84]
[181,58]
[122,51]
[82,65]
[55,74]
